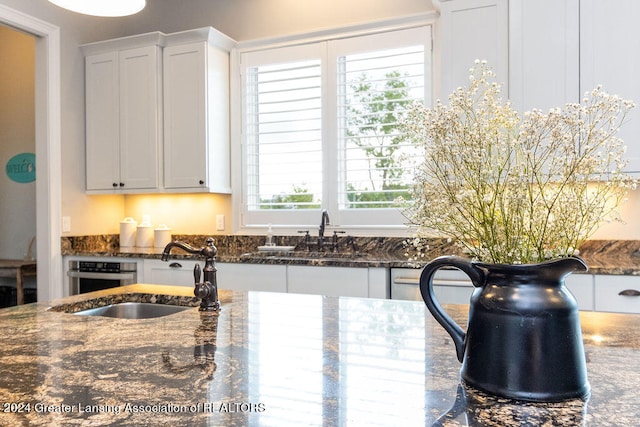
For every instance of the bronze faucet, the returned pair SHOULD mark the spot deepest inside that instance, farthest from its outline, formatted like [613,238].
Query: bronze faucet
[324,221]
[207,290]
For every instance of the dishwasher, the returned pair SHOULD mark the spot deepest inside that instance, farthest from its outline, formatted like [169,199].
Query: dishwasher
[450,285]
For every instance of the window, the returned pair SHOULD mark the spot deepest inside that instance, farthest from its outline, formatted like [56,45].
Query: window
[320,128]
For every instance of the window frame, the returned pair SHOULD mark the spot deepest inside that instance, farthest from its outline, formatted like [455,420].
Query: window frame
[358,221]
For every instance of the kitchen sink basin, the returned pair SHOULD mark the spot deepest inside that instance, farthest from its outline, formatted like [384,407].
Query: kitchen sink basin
[133,310]
[305,255]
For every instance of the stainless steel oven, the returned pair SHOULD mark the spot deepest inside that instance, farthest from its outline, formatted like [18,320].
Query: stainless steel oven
[89,276]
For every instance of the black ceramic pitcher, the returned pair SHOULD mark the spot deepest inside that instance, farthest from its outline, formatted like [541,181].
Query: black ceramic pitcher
[523,338]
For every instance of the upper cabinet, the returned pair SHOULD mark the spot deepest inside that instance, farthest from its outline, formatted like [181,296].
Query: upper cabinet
[546,53]
[608,39]
[157,113]
[123,117]
[470,30]
[196,112]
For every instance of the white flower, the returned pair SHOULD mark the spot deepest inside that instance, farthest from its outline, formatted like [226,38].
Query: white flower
[516,188]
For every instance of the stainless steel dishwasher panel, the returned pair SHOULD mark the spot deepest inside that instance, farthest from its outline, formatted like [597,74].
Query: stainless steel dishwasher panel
[451,286]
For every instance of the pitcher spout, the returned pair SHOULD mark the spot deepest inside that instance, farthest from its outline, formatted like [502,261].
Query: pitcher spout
[568,265]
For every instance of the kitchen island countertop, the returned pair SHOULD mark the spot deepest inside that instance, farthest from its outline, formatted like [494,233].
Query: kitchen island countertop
[279,359]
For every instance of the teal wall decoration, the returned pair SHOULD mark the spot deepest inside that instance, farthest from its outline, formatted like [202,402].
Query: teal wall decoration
[22,168]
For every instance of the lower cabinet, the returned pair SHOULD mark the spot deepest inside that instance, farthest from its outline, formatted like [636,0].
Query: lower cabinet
[172,272]
[581,286]
[331,281]
[452,286]
[617,293]
[236,277]
[252,277]
[338,281]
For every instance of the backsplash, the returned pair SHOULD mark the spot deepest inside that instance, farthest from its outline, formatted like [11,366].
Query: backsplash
[602,256]
[236,245]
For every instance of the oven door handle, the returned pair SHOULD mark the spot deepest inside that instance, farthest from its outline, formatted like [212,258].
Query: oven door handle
[104,276]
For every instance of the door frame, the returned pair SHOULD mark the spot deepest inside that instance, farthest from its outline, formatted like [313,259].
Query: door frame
[48,148]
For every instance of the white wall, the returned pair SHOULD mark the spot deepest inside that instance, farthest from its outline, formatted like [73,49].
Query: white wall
[253,19]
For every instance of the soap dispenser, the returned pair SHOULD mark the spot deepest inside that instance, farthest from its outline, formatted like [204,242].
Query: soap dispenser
[269,241]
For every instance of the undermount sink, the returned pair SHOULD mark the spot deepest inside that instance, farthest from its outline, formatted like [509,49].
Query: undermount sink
[133,310]
[305,255]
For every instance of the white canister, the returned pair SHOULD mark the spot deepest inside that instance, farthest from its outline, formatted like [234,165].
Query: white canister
[128,232]
[144,234]
[162,236]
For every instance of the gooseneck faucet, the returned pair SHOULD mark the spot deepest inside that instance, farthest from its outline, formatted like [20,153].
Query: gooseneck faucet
[323,222]
[207,290]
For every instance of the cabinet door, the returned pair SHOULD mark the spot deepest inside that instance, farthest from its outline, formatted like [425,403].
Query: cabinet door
[140,120]
[617,293]
[102,122]
[173,272]
[543,53]
[330,281]
[581,286]
[196,113]
[608,39]
[185,149]
[470,30]
[252,277]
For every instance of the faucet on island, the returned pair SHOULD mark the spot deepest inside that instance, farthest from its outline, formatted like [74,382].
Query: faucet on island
[207,290]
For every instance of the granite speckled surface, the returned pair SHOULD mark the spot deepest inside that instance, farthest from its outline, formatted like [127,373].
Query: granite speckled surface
[620,257]
[270,359]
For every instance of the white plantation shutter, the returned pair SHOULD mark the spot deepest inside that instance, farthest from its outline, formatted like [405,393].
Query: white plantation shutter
[374,89]
[320,128]
[285,135]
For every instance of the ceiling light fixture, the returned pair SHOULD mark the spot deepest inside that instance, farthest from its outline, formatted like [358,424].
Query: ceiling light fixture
[102,7]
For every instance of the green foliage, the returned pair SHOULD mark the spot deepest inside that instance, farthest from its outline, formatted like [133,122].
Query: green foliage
[376,199]
[373,122]
[299,198]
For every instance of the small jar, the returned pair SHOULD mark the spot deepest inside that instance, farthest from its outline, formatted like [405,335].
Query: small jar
[128,232]
[162,236]
[144,233]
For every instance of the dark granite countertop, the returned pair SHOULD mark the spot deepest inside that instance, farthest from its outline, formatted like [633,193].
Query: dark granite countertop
[279,360]
[617,257]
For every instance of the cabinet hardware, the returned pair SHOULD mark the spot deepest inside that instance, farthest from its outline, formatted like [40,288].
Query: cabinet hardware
[629,293]
[175,265]
[201,182]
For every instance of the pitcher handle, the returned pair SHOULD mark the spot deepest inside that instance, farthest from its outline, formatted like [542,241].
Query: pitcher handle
[426,289]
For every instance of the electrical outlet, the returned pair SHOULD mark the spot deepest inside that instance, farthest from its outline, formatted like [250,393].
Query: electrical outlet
[66,224]
[219,222]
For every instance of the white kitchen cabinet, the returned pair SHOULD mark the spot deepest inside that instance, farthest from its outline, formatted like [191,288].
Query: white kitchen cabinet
[337,281]
[196,112]
[617,293]
[608,37]
[470,30]
[544,53]
[177,272]
[452,286]
[123,115]
[252,277]
[230,276]
[581,286]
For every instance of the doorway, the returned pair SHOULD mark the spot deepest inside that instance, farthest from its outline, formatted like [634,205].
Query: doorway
[17,148]
[47,147]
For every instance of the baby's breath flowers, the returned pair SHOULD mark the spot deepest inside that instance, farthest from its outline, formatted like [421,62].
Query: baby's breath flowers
[515,188]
